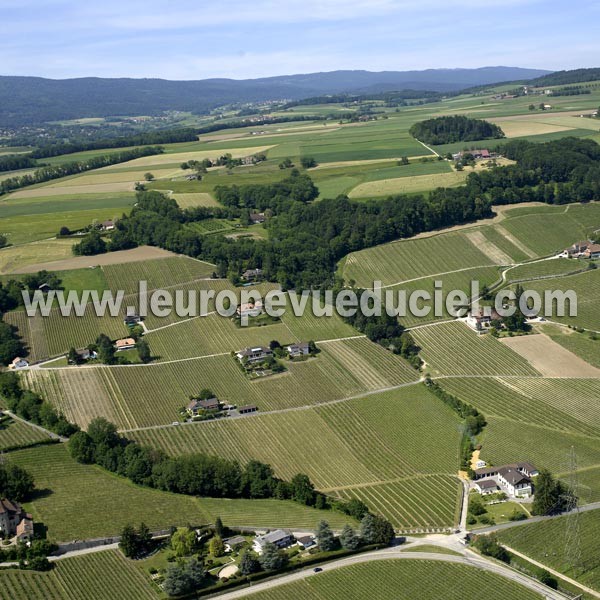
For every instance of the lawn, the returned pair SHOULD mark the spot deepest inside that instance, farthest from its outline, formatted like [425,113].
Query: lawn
[72,501]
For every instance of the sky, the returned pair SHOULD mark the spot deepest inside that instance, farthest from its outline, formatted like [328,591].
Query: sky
[181,39]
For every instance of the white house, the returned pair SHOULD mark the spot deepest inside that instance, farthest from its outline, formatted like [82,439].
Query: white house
[479,321]
[18,363]
[486,487]
[250,309]
[515,482]
[280,538]
[299,349]
[253,355]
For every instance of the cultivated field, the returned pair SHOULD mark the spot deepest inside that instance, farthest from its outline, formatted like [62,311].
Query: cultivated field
[15,434]
[455,349]
[399,580]
[121,393]
[549,357]
[72,501]
[546,543]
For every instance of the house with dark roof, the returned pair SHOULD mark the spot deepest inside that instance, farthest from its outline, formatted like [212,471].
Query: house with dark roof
[195,406]
[279,537]
[252,274]
[515,482]
[298,349]
[486,486]
[254,355]
[515,479]
[246,409]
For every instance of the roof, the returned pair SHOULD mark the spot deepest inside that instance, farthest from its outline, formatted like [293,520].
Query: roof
[25,527]
[17,360]
[235,540]
[250,306]
[305,540]
[593,248]
[487,484]
[210,403]
[248,407]
[6,506]
[273,537]
[125,342]
[249,351]
[513,476]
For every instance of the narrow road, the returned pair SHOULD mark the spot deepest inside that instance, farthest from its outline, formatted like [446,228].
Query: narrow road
[49,433]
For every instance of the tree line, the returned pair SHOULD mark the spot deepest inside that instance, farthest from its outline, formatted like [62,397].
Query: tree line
[49,172]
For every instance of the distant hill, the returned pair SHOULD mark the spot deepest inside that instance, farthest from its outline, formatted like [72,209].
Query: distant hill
[28,100]
[566,77]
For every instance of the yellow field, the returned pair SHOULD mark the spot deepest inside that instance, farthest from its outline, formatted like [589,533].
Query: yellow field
[104,177]
[406,185]
[17,258]
[165,159]
[530,127]
[60,190]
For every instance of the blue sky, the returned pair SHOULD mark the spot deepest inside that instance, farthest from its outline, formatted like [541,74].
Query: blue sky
[182,39]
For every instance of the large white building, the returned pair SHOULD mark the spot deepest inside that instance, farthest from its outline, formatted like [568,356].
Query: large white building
[279,538]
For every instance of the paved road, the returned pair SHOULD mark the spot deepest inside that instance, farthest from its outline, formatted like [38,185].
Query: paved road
[396,553]
[49,433]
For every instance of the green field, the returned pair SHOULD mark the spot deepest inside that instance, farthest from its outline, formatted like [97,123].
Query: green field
[15,434]
[345,446]
[72,500]
[399,580]
[545,542]
[455,349]
[546,269]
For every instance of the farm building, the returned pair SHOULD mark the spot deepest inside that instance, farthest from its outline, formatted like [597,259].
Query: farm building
[253,355]
[14,521]
[477,154]
[486,486]
[299,349]
[280,538]
[480,321]
[575,250]
[233,543]
[592,251]
[248,408]
[257,218]
[18,363]
[125,344]
[86,354]
[107,225]
[195,406]
[514,479]
[252,274]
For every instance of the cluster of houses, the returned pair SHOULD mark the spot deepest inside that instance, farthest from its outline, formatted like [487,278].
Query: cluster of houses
[259,354]
[15,523]
[585,249]
[515,480]
[481,320]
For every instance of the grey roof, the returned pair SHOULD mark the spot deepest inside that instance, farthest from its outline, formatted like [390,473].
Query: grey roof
[513,476]
[235,540]
[273,537]
[487,483]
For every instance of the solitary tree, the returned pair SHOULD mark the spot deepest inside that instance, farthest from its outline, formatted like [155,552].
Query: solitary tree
[182,541]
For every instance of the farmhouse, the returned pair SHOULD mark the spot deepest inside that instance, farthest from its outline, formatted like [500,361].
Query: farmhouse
[86,354]
[280,538]
[575,250]
[18,363]
[480,321]
[252,274]
[233,543]
[125,344]
[514,479]
[250,309]
[592,251]
[477,154]
[107,225]
[195,406]
[299,349]
[257,218]
[306,542]
[14,521]
[253,355]
[248,408]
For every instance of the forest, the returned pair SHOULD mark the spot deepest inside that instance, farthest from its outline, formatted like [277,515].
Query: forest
[455,128]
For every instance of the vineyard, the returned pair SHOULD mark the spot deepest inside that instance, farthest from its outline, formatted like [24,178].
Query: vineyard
[15,434]
[352,443]
[587,288]
[76,496]
[400,580]
[98,576]
[454,349]
[138,396]
[582,344]
[398,261]
[546,268]
[545,542]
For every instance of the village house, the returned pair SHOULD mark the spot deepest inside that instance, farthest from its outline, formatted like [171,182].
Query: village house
[480,321]
[234,543]
[18,363]
[14,521]
[195,406]
[280,538]
[125,344]
[477,154]
[250,309]
[306,542]
[299,349]
[107,225]
[252,274]
[515,482]
[254,355]
[86,354]
[256,218]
